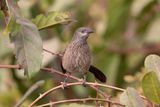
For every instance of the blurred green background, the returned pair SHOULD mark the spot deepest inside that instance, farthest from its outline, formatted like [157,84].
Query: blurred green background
[126,31]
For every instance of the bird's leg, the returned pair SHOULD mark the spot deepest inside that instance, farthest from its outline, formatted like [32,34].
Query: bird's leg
[64,82]
[84,79]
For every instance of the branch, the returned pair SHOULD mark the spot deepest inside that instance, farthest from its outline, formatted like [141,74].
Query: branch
[79,100]
[58,54]
[93,85]
[10,66]
[51,70]
[54,71]
[29,91]
[148,49]
[59,87]
[77,79]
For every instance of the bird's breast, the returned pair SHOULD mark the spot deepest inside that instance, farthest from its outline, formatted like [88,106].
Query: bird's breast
[77,58]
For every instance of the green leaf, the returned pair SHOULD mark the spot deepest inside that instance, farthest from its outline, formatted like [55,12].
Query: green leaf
[12,26]
[51,19]
[152,63]
[130,98]
[151,87]
[28,46]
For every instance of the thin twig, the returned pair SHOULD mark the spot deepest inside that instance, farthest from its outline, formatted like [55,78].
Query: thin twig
[51,70]
[79,100]
[75,78]
[56,88]
[29,91]
[59,54]
[10,66]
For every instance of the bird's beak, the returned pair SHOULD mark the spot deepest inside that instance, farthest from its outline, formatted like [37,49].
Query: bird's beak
[90,31]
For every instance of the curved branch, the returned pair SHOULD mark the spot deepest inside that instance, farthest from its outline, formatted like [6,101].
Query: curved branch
[79,100]
[60,87]
[77,79]
[51,70]
[93,85]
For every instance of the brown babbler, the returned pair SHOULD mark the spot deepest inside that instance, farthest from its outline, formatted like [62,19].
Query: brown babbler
[77,56]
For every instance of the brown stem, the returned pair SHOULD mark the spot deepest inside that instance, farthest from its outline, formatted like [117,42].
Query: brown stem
[51,70]
[10,66]
[56,88]
[59,54]
[79,100]
[75,78]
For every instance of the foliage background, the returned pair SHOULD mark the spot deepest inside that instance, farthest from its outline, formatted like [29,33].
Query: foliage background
[125,32]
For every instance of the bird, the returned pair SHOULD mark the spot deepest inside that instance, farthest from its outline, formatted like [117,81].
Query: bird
[77,56]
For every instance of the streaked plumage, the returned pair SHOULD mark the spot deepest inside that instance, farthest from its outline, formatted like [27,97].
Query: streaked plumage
[77,57]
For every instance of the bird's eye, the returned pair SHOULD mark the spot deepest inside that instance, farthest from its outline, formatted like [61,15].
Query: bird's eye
[83,31]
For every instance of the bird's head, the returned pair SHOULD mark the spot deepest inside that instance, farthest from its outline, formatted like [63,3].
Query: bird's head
[82,33]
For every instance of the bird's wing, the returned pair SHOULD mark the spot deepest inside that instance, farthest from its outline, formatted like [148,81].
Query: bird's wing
[98,74]
[63,70]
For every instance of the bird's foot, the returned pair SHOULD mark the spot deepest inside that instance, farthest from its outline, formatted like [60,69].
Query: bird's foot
[84,82]
[64,85]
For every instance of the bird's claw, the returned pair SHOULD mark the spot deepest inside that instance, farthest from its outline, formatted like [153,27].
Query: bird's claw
[64,85]
[84,82]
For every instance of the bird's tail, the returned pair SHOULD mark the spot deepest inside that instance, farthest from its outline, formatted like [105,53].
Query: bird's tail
[98,74]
